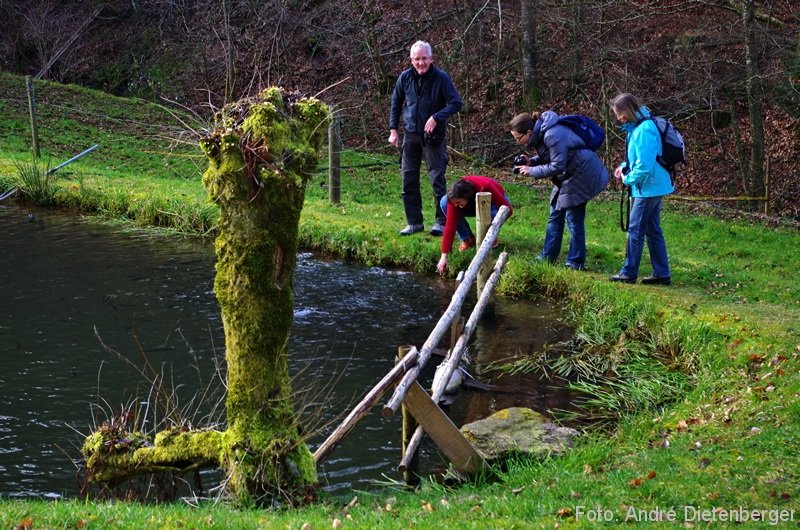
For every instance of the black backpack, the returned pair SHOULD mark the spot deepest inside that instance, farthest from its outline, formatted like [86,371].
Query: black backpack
[673,150]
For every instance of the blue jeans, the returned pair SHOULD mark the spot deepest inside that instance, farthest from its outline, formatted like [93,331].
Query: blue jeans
[554,233]
[645,226]
[462,228]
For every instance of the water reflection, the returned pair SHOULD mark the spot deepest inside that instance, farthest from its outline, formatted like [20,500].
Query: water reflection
[74,292]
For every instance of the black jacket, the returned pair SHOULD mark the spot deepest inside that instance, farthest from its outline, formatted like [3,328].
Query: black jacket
[420,97]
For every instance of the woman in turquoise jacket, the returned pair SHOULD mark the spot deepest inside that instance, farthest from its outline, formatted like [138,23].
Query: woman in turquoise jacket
[649,182]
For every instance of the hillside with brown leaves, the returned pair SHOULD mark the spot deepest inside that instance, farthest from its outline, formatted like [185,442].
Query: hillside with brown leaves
[685,59]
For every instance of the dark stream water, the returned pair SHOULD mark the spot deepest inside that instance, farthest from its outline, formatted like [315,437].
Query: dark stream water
[73,292]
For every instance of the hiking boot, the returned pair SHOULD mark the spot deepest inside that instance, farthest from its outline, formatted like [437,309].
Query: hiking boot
[622,278]
[437,229]
[656,280]
[411,229]
[466,244]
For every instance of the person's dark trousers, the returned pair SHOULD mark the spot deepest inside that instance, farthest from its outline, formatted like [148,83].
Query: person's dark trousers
[436,160]
[554,232]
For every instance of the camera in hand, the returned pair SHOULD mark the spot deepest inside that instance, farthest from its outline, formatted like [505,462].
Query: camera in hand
[519,160]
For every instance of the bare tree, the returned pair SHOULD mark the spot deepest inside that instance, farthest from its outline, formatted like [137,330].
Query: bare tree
[530,74]
[754,180]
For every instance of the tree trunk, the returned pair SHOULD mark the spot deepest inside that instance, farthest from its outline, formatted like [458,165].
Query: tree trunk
[260,154]
[755,181]
[257,175]
[530,79]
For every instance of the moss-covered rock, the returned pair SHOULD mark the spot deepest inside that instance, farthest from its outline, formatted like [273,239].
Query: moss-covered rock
[517,430]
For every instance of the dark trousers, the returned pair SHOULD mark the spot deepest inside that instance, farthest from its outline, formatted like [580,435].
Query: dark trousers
[436,160]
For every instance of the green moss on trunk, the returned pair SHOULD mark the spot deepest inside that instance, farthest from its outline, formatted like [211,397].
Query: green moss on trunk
[259,162]
[260,154]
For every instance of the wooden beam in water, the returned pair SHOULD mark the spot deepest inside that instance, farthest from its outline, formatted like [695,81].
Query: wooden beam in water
[442,431]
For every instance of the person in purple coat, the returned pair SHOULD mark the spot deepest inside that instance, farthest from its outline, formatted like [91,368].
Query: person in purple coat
[578,175]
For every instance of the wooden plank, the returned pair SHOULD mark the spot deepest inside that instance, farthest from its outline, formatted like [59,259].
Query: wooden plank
[442,431]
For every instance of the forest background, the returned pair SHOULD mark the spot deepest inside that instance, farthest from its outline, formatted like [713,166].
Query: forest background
[727,72]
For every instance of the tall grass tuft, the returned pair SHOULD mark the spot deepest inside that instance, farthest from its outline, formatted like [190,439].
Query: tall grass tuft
[36,181]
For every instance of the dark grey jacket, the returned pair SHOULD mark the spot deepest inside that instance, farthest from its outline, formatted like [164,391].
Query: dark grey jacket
[578,173]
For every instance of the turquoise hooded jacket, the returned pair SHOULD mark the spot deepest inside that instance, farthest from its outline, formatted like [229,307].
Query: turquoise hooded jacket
[645,176]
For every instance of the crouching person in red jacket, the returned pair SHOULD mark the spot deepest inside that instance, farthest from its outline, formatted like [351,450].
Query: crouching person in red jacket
[458,204]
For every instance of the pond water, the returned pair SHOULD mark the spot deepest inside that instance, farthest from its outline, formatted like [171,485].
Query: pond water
[85,306]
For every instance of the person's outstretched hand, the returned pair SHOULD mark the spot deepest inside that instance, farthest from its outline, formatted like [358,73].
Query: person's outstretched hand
[442,265]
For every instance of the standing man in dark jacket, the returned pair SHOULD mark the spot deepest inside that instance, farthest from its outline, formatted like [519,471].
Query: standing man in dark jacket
[427,97]
[577,173]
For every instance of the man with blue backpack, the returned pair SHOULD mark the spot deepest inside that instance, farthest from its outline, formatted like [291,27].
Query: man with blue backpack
[562,149]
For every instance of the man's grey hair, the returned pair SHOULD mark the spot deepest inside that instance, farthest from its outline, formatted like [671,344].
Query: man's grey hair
[421,44]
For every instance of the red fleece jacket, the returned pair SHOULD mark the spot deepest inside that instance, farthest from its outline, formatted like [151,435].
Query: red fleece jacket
[455,214]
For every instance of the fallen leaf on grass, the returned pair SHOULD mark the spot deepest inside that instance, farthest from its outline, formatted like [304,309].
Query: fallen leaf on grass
[353,502]
[564,512]
[25,524]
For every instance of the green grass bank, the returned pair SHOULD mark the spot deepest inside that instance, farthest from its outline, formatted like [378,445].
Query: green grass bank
[696,384]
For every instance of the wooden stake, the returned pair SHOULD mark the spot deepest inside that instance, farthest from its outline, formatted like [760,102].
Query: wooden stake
[334,150]
[409,426]
[32,108]
[483,218]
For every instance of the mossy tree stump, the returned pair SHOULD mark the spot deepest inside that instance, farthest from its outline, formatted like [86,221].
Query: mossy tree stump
[260,152]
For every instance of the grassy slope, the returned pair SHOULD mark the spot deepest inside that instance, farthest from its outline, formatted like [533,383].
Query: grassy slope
[734,304]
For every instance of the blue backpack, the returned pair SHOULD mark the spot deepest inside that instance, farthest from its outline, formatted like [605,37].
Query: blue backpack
[589,131]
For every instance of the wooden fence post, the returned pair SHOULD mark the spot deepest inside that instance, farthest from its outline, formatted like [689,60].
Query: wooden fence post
[334,150]
[32,108]
[766,188]
[410,474]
